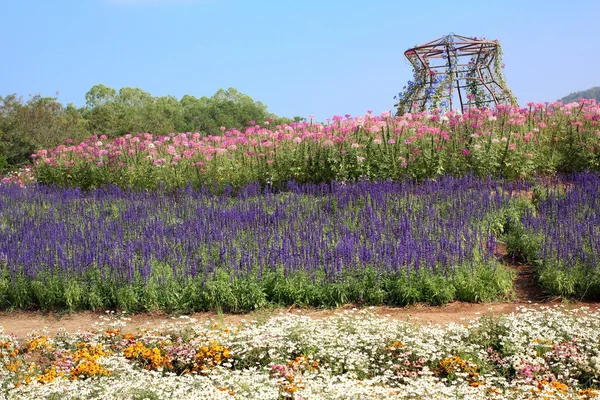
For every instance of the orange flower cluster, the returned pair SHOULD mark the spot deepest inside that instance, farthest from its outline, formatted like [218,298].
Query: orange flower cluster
[303,363]
[290,384]
[6,347]
[111,333]
[150,358]
[159,356]
[588,394]
[48,376]
[37,350]
[38,343]
[449,367]
[86,358]
[9,350]
[45,365]
[208,357]
[546,389]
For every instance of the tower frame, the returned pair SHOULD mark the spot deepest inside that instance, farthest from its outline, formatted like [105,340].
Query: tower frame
[455,72]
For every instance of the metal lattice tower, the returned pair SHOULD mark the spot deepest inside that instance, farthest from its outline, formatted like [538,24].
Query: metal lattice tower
[455,70]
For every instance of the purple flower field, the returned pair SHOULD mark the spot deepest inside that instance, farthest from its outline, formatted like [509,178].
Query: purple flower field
[563,237]
[365,242]
[323,245]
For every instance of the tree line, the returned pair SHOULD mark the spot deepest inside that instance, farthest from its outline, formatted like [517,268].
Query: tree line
[44,122]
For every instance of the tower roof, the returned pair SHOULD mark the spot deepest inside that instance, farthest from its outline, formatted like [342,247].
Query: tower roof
[463,45]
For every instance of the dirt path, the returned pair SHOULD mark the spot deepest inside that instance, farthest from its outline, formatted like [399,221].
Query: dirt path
[21,323]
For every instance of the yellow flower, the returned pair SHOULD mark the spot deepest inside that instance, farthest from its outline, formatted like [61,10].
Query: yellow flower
[49,376]
[589,393]
[559,386]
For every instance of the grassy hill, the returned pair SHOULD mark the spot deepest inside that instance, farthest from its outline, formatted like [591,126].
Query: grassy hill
[592,93]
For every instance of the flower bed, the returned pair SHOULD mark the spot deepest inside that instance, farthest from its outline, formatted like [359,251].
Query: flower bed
[553,353]
[561,236]
[320,245]
[505,141]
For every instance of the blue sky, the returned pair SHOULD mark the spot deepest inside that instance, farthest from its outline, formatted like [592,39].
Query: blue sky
[299,57]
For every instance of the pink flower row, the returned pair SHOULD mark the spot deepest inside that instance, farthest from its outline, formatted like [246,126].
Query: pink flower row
[262,141]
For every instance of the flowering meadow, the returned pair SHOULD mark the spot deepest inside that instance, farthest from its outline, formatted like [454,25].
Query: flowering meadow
[552,353]
[504,141]
[311,244]
[368,210]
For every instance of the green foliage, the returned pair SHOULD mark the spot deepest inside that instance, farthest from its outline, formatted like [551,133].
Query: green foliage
[521,244]
[486,285]
[488,333]
[223,291]
[506,223]
[3,163]
[575,282]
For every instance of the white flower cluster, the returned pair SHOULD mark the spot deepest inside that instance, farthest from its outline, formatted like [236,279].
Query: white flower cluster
[548,353]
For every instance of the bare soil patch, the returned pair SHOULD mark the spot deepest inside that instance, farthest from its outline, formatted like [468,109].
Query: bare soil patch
[524,284]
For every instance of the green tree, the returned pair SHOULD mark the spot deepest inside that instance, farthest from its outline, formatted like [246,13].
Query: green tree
[235,109]
[164,115]
[194,111]
[41,122]
[131,110]
[103,111]
[229,108]
[14,150]
[99,95]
